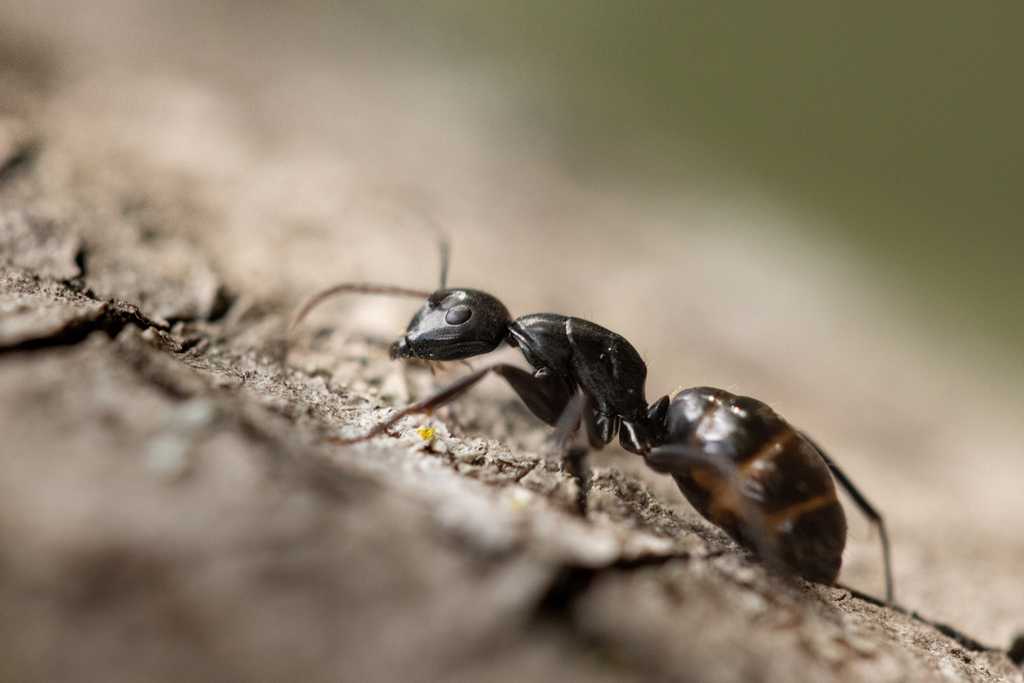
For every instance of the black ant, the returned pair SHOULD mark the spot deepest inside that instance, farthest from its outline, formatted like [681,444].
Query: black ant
[741,465]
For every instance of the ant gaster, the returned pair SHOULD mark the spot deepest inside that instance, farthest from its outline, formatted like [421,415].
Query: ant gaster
[740,464]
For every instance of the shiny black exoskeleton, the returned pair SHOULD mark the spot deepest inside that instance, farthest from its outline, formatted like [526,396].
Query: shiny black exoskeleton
[569,355]
[739,463]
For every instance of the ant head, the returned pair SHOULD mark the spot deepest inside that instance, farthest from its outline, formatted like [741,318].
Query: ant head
[453,325]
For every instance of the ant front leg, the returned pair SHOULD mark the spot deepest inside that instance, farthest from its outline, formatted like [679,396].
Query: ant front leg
[545,394]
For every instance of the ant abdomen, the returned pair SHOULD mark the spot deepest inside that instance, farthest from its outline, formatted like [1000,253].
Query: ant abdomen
[747,471]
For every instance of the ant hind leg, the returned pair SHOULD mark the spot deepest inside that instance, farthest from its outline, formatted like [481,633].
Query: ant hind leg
[680,460]
[866,508]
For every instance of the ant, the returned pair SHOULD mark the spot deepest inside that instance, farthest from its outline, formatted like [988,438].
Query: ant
[740,464]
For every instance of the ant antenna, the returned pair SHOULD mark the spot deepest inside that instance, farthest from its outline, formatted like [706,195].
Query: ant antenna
[408,208]
[369,288]
[385,290]
[445,258]
[354,288]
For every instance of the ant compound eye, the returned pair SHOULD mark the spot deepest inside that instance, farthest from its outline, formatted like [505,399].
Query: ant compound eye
[457,315]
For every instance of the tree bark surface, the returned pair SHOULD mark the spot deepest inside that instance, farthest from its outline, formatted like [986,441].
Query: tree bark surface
[175,177]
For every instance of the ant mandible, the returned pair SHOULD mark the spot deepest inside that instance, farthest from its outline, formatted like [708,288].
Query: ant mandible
[739,463]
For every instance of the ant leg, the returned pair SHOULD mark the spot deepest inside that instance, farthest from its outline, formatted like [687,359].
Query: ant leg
[577,408]
[544,393]
[574,457]
[575,462]
[866,508]
[545,396]
[681,460]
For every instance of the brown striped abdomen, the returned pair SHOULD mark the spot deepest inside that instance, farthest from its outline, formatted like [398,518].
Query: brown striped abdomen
[770,489]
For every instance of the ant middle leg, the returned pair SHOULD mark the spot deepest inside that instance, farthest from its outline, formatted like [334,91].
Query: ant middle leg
[574,456]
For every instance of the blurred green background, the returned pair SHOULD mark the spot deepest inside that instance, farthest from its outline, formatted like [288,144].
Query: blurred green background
[897,126]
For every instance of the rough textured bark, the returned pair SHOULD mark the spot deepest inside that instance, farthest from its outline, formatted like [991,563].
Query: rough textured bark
[171,507]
